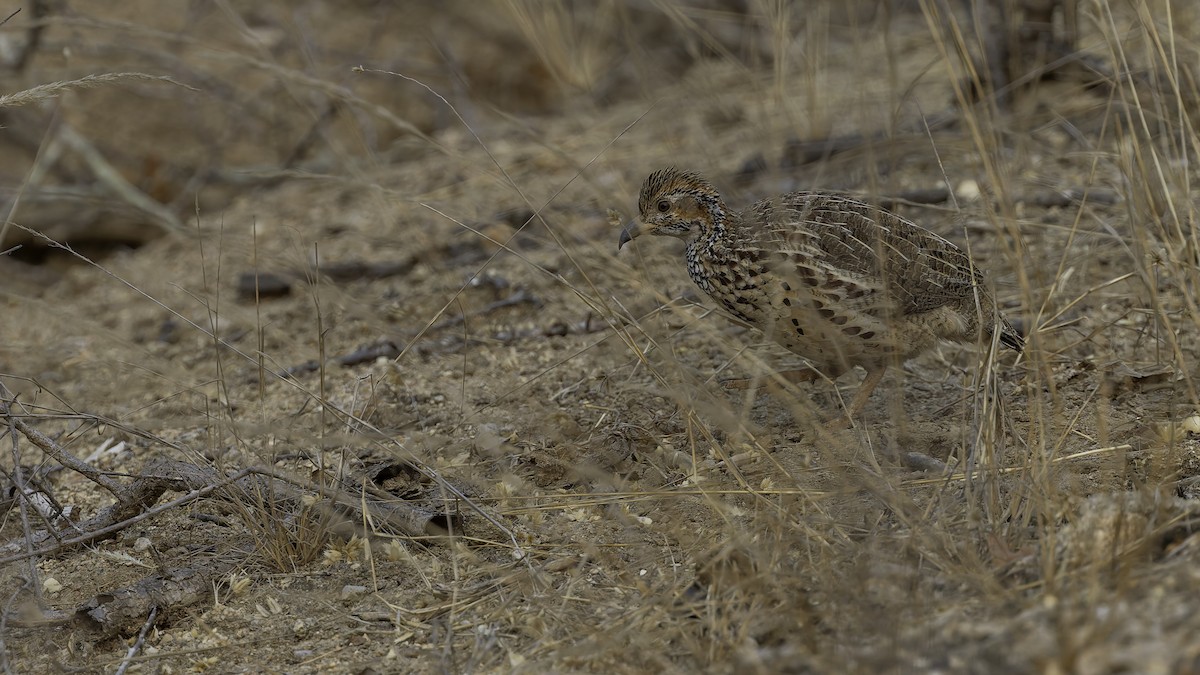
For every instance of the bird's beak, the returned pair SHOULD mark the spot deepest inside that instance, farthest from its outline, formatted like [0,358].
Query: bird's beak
[630,232]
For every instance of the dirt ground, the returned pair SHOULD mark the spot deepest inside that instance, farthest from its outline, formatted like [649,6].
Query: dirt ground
[460,330]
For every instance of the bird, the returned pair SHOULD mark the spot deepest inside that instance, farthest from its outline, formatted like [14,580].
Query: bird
[835,280]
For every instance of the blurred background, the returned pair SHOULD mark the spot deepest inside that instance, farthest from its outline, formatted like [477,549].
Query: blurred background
[258,91]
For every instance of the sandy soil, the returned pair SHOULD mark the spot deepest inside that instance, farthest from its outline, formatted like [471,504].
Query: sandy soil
[620,510]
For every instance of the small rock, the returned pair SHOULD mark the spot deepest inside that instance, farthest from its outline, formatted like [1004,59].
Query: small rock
[352,593]
[967,191]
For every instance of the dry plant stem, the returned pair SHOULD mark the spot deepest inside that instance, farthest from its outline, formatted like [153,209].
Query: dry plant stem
[33,582]
[49,90]
[1149,171]
[141,639]
[4,664]
[23,496]
[59,453]
[46,156]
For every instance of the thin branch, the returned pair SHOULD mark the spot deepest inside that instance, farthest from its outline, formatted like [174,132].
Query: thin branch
[141,639]
[59,453]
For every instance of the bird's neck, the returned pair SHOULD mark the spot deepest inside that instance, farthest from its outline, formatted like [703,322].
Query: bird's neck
[719,228]
[720,225]
[714,244]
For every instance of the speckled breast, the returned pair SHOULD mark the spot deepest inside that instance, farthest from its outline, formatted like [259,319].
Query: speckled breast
[830,319]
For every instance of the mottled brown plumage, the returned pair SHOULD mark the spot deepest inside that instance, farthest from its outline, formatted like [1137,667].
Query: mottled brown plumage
[835,280]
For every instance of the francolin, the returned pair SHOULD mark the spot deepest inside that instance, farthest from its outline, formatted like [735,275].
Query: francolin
[835,280]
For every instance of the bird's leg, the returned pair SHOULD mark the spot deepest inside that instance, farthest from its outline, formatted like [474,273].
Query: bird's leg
[874,376]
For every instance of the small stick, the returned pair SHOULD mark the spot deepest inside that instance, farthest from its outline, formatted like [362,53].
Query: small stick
[141,639]
[60,454]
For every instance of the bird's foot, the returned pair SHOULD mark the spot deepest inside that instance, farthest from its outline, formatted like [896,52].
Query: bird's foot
[838,422]
[797,376]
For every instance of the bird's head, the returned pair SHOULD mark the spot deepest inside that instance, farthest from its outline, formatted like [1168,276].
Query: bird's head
[677,204]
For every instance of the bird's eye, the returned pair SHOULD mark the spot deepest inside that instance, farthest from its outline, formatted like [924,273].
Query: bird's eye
[664,206]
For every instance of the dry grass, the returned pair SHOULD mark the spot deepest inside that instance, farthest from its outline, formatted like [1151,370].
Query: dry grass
[621,511]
